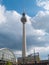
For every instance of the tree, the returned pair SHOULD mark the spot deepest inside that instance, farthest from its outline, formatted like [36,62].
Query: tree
[8,63]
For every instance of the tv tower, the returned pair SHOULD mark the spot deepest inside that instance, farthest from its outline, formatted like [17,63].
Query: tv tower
[24,20]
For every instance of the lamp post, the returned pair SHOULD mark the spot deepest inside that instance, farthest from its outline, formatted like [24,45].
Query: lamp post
[24,20]
[48,59]
[34,56]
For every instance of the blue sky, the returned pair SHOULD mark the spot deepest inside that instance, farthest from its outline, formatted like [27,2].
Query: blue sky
[30,6]
[37,26]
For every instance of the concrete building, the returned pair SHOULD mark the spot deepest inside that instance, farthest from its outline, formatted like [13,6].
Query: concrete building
[30,59]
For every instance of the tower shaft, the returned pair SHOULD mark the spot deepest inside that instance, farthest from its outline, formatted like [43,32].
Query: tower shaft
[24,20]
[24,42]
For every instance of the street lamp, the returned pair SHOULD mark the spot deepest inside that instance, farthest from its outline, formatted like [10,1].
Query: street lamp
[34,56]
[48,59]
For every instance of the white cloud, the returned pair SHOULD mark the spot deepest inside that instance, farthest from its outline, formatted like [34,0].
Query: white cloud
[41,51]
[41,21]
[40,14]
[2,14]
[18,53]
[39,32]
[11,21]
[43,3]
[41,25]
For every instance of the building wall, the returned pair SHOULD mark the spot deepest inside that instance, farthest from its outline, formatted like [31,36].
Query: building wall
[29,59]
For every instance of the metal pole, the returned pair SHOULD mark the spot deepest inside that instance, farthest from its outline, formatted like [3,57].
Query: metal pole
[34,57]
[48,59]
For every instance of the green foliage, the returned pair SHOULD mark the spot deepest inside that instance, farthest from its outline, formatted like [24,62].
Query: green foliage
[8,63]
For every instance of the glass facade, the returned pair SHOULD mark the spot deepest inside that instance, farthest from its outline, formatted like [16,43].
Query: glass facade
[7,55]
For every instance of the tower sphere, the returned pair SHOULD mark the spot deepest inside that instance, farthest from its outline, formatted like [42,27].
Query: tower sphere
[23,19]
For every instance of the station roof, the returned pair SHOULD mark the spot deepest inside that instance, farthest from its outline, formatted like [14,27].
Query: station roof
[7,55]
